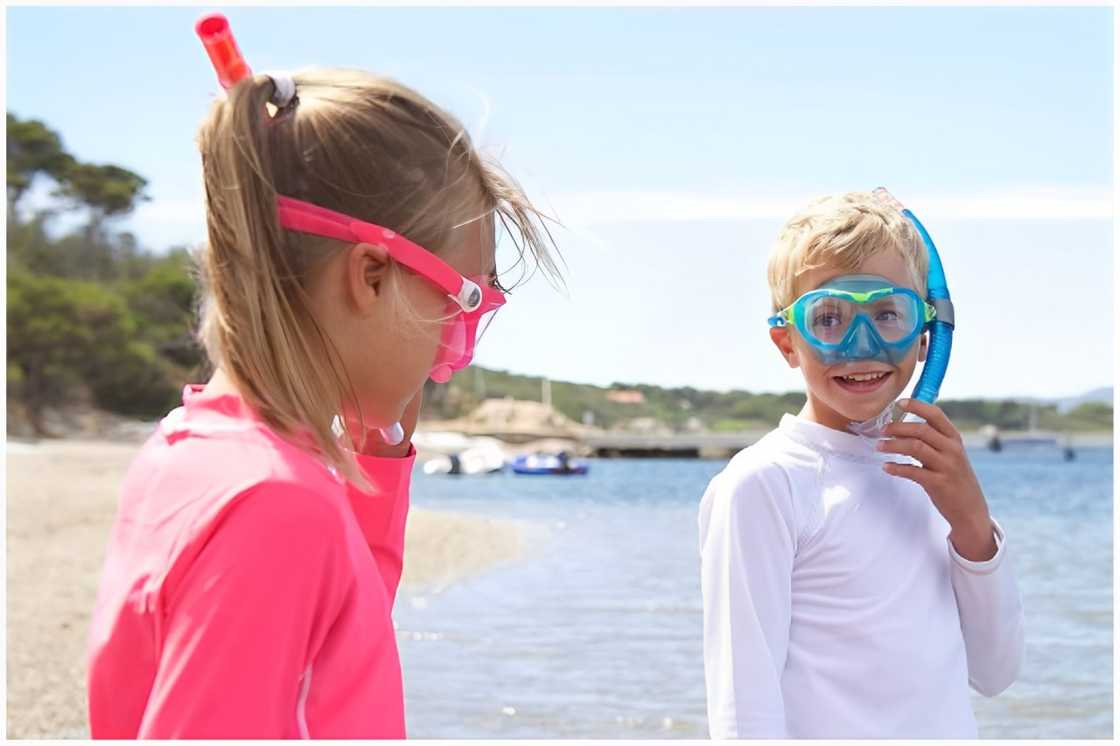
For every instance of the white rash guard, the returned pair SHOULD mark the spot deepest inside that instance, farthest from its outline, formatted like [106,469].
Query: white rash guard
[834,604]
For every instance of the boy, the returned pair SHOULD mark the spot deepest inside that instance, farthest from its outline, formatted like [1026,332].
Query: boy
[853,587]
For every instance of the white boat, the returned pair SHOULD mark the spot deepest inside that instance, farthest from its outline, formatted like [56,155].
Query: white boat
[484,459]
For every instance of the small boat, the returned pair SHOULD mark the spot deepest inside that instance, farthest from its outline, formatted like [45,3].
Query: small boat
[471,462]
[548,464]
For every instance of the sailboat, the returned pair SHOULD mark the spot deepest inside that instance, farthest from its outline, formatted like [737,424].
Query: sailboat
[1034,436]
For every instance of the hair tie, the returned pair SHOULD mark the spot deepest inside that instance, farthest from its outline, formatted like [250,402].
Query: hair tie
[284,89]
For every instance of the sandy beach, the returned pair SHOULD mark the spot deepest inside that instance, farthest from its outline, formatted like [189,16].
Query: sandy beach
[62,497]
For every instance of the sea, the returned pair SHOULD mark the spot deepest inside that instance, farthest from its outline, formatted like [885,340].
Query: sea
[595,632]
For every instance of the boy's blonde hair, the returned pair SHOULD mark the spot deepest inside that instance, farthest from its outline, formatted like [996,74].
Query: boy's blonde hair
[841,231]
[352,142]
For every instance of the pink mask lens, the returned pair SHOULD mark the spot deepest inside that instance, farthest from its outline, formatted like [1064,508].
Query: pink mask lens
[462,332]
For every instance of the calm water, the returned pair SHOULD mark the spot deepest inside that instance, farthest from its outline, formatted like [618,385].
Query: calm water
[596,633]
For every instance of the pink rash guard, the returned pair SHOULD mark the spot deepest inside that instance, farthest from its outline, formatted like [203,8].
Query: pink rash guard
[247,589]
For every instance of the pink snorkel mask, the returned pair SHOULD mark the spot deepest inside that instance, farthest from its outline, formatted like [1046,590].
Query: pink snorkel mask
[471,305]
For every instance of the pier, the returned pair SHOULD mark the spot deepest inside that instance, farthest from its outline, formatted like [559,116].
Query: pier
[677,445]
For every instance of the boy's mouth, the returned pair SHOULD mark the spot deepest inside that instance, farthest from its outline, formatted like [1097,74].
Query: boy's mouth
[863,382]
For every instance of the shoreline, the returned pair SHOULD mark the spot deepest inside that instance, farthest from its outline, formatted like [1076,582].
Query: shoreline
[61,500]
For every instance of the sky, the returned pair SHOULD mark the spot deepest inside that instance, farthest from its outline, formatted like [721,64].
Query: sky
[671,144]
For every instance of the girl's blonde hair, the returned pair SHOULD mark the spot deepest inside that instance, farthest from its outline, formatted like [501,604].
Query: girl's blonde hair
[842,231]
[356,143]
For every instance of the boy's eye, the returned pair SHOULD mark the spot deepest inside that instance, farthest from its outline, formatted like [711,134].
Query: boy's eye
[827,319]
[888,312]
[829,315]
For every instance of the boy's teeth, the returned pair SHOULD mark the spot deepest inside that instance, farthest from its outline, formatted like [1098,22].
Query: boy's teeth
[864,376]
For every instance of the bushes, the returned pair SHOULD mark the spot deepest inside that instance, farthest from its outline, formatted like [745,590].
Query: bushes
[136,381]
[163,299]
[1088,416]
[71,337]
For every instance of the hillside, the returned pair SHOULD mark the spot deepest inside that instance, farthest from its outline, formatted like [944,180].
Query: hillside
[642,406]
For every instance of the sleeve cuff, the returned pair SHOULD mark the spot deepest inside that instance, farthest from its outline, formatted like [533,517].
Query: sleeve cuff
[387,475]
[983,567]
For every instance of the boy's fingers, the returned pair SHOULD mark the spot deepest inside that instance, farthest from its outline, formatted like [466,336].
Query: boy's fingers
[907,471]
[933,415]
[921,430]
[919,449]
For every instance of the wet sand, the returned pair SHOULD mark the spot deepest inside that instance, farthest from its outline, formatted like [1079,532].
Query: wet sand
[61,499]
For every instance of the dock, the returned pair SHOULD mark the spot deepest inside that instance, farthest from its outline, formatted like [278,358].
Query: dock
[677,445]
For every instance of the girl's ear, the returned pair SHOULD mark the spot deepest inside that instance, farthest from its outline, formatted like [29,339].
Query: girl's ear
[780,336]
[923,347]
[366,268]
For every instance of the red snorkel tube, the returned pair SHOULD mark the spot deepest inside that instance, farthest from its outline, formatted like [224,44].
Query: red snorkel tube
[213,29]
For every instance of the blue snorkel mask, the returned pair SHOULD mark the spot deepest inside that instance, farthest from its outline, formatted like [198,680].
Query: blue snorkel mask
[864,317]
[858,317]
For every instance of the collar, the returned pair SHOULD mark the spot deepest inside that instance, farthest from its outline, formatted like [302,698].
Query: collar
[827,441]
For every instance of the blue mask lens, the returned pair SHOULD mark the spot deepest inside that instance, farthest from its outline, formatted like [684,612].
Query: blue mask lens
[860,317]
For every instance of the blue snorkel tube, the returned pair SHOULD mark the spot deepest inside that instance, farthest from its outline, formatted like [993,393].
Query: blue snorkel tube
[940,332]
[941,328]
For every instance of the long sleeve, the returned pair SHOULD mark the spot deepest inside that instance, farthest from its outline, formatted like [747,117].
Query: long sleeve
[991,617]
[382,512]
[747,544]
[243,615]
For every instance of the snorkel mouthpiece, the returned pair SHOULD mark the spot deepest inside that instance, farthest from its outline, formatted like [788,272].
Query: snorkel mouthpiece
[393,435]
[873,428]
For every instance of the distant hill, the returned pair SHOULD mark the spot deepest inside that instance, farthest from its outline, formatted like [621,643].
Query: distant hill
[644,407]
[1103,395]
[1099,396]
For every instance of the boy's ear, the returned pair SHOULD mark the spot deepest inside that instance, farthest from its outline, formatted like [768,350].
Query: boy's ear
[780,336]
[923,347]
[366,268]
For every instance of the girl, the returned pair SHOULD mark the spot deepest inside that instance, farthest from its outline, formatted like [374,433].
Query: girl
[253,565]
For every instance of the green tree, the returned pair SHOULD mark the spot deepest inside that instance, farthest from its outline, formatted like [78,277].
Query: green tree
[33,148]
[106,190]
[65,336]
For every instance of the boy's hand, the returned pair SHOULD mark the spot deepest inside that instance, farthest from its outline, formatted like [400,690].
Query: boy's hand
[945,474]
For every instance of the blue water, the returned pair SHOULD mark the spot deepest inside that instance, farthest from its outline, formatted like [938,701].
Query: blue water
[596,632]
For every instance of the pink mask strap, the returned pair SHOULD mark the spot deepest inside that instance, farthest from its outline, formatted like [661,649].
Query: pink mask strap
[308,218]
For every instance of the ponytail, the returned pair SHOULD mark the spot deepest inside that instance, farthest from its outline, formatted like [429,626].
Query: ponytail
[257,322]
